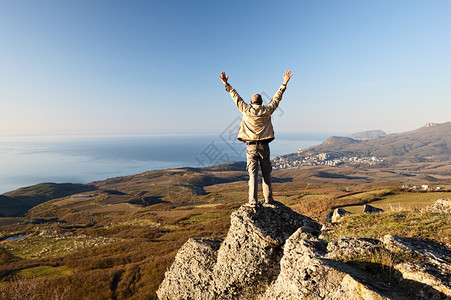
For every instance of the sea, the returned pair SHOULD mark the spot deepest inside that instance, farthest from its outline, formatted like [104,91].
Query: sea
[26,161]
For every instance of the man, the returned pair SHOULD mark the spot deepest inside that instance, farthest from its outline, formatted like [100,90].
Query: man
[257,132]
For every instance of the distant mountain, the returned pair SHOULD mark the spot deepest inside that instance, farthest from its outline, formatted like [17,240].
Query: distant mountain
[366,135]
[430,143]
[337,143]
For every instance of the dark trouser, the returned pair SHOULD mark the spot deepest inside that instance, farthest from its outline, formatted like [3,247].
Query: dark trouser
[256,153]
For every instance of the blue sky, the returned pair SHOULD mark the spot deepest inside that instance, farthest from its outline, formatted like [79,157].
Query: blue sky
[151,67]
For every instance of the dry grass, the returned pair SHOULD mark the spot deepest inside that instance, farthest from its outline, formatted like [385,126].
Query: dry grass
[411,224]
[404,200]
[115,208]
[33,289]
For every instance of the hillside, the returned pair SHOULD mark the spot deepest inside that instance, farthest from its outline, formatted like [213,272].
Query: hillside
[366,135]
[172,187]
[428,144]
[18,202]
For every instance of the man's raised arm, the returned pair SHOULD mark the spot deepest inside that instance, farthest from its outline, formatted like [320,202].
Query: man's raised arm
[274,103]
[233,93]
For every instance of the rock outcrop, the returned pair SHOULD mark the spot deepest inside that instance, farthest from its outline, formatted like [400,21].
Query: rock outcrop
[191,274]
[429,264]
[306,273]
[275,253]
[368,209]
[336,215]
[440,206]
[244,264]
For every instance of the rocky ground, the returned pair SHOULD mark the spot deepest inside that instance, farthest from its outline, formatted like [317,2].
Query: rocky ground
[276,253]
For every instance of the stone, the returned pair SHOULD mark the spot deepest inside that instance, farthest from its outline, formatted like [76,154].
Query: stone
[335,215]
[440,206]
[368,209]
[190,276]
[302,271]
[246,261]
[275,253]
[338,214]
[307,273]
[351,247]
[431,264]
[329,217]
[253,247]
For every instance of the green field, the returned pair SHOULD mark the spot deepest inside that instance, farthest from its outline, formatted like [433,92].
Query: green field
[52,243]
[44,272]
[412,224]
[400,201]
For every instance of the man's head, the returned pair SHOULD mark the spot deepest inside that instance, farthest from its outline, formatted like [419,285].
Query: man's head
[257,99]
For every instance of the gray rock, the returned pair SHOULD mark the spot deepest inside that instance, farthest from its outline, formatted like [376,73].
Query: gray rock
[246,262]
[430,264]
[250,254]
[302,271]
[275,253]
[335,215]
[368,209]
[351,247]
[307,273]
[440,206]
[329,217]
[338,214]
[191,276]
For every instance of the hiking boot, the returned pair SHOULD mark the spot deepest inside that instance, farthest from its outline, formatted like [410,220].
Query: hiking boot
[253,203]
[269,203]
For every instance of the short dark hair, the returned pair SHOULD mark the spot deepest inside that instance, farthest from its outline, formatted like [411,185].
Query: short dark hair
[257,99]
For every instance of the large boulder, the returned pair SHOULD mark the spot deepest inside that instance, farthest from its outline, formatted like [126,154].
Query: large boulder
[306,273]
[190,276]
[275,253]
[246,261]
[250,254]
[429,265]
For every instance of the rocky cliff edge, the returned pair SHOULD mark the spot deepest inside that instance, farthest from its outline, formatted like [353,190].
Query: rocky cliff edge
[275,253]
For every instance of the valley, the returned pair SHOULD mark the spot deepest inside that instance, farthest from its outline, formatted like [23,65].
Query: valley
[114,239]
[117,239]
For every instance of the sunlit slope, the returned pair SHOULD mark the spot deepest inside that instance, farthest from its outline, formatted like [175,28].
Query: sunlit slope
[430,143]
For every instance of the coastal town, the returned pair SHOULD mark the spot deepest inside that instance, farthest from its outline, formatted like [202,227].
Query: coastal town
[302,158]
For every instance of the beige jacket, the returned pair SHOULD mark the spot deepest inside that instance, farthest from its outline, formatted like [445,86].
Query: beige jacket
[256,123]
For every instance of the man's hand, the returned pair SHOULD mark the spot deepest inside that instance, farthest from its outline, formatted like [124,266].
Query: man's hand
[224,78]
[286,76]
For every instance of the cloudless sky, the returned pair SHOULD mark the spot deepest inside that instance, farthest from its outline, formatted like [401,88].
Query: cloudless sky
[151,67]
